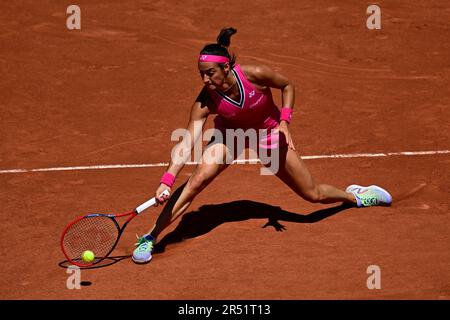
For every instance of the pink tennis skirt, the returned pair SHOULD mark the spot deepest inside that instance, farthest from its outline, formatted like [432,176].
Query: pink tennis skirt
[267,135]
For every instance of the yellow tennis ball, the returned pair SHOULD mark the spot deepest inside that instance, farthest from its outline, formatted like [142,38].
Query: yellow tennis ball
[88,256]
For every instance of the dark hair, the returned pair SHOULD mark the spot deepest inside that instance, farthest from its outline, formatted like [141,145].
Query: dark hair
[221,47]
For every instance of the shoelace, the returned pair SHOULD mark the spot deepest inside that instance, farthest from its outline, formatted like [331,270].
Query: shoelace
[143,243]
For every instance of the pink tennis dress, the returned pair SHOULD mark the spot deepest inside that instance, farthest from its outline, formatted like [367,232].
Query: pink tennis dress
[255,110]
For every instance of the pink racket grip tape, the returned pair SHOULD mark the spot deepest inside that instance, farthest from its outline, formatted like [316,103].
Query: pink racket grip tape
[168,179]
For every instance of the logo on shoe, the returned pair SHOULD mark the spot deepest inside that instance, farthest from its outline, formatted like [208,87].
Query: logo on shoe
[361,191]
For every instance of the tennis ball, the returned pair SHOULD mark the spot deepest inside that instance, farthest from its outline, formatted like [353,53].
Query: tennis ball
[88,256]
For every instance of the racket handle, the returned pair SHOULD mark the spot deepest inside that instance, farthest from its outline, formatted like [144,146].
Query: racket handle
[150,202]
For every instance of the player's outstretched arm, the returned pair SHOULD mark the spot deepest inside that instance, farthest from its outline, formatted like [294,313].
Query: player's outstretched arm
[181,153]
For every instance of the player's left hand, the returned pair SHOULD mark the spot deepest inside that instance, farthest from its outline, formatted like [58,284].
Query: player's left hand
[283,127]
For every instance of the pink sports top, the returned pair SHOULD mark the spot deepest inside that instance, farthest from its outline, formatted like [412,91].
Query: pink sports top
[255,108]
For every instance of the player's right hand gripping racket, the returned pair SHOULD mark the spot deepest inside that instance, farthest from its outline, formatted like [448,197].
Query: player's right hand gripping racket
[98,233]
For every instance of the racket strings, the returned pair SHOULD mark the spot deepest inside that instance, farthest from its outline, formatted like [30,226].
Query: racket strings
[97,234]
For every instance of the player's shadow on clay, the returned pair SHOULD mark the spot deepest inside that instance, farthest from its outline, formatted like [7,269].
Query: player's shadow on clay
[208,217]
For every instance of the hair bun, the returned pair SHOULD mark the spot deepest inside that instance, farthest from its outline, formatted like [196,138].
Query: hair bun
[224,36]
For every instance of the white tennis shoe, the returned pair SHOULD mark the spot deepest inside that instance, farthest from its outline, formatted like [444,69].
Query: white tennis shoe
[370,196]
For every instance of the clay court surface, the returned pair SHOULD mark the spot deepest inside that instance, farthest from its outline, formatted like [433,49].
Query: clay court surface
[113,92]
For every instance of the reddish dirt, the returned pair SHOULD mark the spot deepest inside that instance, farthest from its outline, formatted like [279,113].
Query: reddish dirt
[113,92]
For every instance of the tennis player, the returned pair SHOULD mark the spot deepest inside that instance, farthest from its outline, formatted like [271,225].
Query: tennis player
[241,97]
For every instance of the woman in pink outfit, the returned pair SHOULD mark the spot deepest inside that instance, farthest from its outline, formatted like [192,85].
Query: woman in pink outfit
[240,97]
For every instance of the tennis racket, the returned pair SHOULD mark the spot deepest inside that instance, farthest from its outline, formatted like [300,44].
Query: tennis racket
[98,233]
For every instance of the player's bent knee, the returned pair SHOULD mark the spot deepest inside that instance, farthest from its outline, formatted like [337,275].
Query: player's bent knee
[197,182]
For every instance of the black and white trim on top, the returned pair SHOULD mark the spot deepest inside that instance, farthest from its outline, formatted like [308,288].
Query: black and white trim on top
[241,102]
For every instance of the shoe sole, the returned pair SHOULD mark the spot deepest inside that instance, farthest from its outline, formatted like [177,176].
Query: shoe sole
[141,262]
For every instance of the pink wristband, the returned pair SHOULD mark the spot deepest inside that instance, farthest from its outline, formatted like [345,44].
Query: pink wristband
[286,114]
[168,179]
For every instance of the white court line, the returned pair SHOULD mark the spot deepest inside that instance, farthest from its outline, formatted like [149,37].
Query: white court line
[246,161]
